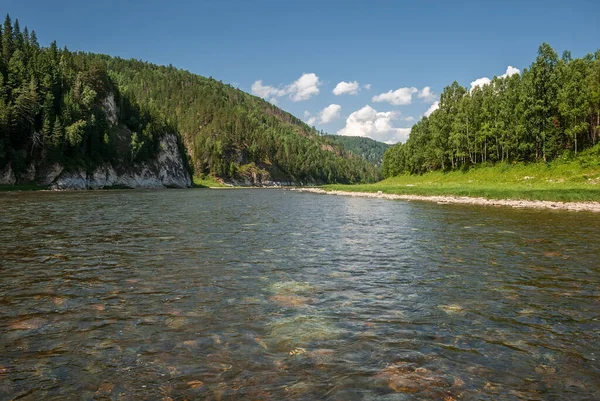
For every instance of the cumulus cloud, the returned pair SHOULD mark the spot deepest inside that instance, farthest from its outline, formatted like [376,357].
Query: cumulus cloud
[302,89]
[510,70]
[350,88]
[432,108]
[266,91]
[370,123]
[367,86]
[308,119]
[427,95]
[399,97]
[480,82]
[330,113]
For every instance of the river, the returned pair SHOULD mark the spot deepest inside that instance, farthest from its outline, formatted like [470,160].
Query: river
[273,294]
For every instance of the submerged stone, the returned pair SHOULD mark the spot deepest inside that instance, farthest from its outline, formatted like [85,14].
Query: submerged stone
[406,378]
[292,287]
[28,324]
[453,308]
[290,301]
[302,329]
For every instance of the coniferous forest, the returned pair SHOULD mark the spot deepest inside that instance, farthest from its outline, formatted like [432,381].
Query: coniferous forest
[551,110]
[53,108]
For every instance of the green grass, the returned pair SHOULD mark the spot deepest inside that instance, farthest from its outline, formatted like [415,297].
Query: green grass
[207,182]
[567,181]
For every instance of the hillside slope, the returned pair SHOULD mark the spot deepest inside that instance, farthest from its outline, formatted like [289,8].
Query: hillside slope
[233,135]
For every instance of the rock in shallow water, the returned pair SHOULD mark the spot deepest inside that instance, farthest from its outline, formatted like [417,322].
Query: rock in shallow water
[407,378]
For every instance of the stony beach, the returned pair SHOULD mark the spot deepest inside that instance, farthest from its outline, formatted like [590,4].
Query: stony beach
[515,203]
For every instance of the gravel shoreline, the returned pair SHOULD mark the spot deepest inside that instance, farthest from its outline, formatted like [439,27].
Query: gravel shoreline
[571,206]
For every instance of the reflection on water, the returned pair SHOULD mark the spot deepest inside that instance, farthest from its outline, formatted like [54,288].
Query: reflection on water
[266,294]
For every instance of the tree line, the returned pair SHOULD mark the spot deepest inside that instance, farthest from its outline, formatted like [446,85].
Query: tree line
[551,110]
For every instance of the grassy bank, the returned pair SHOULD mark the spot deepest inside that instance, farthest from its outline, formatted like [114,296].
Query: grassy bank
[570,181]
[207,182]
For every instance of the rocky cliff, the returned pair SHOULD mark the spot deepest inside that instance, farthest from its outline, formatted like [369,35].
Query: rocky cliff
[166,170]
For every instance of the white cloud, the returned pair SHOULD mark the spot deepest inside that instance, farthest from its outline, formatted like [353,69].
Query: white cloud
[399,97]
[302,89]
[330,113]
[308,119]
[432,108]
[510,70]
[265,91]
[480,82]
[351,88]
[409,118]
[367,86]
[370,123]
[427,95]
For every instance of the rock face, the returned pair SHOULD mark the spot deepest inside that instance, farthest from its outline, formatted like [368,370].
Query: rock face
[167,170]
[110,109]
[7,177]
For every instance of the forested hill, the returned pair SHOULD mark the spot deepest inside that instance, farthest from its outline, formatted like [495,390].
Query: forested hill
[551,110]
[53,109]
[367,148]
[232,134]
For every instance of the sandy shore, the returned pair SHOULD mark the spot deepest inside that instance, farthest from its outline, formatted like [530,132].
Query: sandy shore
[572,206]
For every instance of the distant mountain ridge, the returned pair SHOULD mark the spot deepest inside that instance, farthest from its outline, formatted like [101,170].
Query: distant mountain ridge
[367,148]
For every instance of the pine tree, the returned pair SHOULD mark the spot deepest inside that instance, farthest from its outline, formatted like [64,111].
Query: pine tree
[7,41]
[18,39]
[57,133]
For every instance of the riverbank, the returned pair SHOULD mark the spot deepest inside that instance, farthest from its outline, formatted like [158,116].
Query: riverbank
[445,199]
[562,184]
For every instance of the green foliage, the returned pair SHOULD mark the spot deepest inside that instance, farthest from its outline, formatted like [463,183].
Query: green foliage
[75,132]
[207,182]
[549,112]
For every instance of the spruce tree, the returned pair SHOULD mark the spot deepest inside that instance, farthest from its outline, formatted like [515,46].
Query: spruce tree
[7,40]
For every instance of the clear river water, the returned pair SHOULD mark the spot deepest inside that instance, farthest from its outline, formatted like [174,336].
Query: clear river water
[273,294]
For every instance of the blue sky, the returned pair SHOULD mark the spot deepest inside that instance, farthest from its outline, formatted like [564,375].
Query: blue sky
[301,50]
